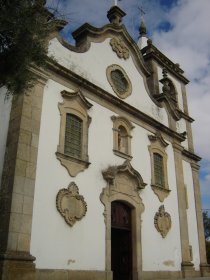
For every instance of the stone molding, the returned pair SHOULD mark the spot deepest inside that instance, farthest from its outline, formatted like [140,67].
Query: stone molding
[162,221]
[128,90]
[127,125]
[124,184]
[76,104]
[111,173]
[104,97]
[86,34]
[169,96]
[151,52]
[158,145]
[115,15]
[70,204]
[160,192]
[158,137]
[17,256]
[180,185]
[119,48]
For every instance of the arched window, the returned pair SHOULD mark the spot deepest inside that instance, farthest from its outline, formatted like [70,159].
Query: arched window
[122,137]
[73,136]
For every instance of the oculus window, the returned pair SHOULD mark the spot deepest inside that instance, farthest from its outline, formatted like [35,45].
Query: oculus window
[119,81]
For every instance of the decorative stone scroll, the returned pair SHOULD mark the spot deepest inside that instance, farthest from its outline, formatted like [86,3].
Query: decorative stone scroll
[162,221]
[71,204]
[119,47]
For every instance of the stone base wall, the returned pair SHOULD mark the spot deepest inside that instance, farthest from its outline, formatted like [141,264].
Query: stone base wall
[25,270]
[48,274]
[17,270]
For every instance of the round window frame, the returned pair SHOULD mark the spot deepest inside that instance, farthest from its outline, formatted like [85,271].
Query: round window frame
[128,91]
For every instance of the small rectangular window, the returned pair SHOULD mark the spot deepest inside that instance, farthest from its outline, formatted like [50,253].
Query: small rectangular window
[158,170]
[73,136]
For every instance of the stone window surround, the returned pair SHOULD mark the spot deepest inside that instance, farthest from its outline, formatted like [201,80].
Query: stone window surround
[158,146]
[74,103]
[117,122]
[128,91]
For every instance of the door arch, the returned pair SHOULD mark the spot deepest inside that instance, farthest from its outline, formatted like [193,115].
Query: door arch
[121,241]
[124,184]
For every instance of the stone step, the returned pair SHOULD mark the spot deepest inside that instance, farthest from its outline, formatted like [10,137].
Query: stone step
[188,278]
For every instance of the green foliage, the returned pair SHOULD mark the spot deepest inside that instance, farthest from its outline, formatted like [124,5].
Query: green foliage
[206,223]
[208,251]
[24,27]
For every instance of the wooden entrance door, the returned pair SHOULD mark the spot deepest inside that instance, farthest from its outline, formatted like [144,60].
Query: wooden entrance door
[121,245]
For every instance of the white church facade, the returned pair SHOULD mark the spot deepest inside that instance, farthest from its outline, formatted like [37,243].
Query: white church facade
[99,178]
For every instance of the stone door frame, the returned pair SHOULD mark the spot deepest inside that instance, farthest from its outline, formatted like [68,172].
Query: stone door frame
[124,184]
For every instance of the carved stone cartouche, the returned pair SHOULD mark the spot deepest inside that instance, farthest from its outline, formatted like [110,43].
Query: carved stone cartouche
[70,204]
[162,221]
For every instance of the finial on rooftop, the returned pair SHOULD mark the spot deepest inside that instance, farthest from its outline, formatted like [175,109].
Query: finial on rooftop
[115,14]
[142,28]
[142,41]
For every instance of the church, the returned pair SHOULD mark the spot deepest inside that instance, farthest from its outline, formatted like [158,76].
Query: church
[98,174]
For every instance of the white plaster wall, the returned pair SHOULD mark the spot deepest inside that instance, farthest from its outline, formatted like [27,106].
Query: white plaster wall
[5,108]
[160,253]
[177,85]
[181,127]
[59,246]
[191,214]
[53,242]
[96,61]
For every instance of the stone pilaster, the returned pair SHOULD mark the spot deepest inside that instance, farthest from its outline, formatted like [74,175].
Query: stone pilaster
[204,267]
[18,181]
[188,124]
[187,266]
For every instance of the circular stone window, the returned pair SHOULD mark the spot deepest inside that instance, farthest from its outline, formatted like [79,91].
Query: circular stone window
[119,81]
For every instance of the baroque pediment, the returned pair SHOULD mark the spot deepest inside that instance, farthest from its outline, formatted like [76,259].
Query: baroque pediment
[124,174]
[120,42]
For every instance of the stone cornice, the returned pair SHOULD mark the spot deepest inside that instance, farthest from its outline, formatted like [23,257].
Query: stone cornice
[17,256]
[191,155]
[185,116]
[151,52]
[61,71]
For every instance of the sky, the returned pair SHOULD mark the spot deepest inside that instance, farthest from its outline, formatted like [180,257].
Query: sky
[179,29]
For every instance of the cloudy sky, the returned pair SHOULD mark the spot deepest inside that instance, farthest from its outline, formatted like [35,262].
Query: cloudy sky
[179,28]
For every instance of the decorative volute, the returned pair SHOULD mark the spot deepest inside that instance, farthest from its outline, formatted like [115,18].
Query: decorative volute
[115,15]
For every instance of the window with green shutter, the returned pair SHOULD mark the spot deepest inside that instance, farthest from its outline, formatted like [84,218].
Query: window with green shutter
[158,170]
[73,136]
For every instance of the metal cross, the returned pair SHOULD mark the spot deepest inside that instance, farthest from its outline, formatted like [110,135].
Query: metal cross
[141,11]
